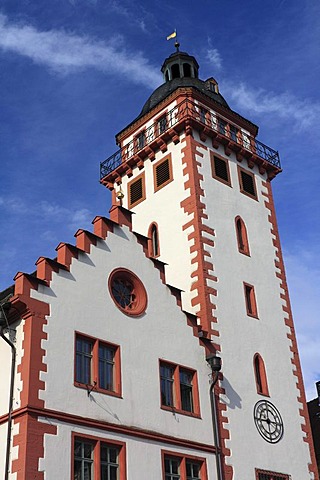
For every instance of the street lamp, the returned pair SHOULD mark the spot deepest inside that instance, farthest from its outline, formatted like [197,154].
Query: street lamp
[215,364]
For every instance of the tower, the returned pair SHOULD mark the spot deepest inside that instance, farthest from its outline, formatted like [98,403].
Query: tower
[198,183]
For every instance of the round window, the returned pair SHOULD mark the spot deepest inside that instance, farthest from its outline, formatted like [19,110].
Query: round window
[127,292]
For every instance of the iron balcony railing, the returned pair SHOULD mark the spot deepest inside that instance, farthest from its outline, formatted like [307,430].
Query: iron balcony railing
[193,111]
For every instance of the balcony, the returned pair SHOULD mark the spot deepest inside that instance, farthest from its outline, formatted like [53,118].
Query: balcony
[209,124]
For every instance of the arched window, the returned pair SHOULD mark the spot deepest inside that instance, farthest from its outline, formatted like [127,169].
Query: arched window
[186,70]
[153,235]
[260,375]
[242,237]
[175,71]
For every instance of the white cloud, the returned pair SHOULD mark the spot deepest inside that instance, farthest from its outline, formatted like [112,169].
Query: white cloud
[66,52]
[214,57]
[303,113]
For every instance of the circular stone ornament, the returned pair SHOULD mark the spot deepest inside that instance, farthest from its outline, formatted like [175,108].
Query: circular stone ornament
[268,421]
[128,292]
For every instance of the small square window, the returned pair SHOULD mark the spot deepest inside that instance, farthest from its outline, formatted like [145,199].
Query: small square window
[179,389]
[136,191]
[247,183]
[220,169]
[162,172]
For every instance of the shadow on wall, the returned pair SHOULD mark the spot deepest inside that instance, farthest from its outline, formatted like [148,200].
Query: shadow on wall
[231,398]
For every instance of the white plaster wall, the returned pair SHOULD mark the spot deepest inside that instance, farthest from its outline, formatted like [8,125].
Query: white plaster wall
[164,208]
[143,457]
[242,336]
[80,301]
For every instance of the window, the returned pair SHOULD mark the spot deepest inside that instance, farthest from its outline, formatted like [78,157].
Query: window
[162,124]
[220,169]
[264,475]
[153,243]
[175,71]
[242,238]
[222,126]
[260,375]
[162,173]
[182,467]
[97,364]
[250,299]
[179,388]
[136,191]
[247,183]
[234,133]
[128,292]
[203,114]
[94,459]
[141,140]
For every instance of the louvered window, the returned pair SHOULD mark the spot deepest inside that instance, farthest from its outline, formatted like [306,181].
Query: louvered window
[220,169]
[162,174]
[247,183]
[136,191]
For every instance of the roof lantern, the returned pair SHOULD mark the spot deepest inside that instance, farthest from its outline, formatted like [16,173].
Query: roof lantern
[179,65]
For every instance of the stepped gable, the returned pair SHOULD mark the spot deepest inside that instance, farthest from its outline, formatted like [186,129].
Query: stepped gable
[19,293]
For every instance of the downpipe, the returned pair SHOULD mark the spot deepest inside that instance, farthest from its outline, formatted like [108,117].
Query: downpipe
[215,425]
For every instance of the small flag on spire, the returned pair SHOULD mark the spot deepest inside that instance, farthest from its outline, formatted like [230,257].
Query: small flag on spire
[173,35]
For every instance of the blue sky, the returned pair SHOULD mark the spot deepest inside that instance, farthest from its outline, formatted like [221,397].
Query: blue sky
[74,73]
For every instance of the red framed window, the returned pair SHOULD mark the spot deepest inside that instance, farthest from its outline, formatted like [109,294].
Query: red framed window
[136,191]
[162,173]
[97,365]
[242,236]
[247,183]
[266,475]
[96,459]
[220,169]
[250,299]
[183,467]
[128,292]
[179,388]
[153,243]
[260,375]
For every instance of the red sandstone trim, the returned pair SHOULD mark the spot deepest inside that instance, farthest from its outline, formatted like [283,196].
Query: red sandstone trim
[288,320]
[203,275]
[110,427]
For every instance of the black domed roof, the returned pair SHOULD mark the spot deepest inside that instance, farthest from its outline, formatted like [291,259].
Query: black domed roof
[170,86]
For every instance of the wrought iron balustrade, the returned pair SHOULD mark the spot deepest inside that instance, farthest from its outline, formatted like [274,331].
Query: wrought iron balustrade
[189,110]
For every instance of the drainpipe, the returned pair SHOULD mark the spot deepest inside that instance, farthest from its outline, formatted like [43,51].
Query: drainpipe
[4,323]
[215,364]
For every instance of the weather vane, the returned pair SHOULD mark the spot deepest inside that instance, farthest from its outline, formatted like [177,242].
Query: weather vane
[174,35]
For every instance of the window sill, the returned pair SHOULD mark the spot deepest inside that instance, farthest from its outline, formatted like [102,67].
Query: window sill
[94,388]
[181,412]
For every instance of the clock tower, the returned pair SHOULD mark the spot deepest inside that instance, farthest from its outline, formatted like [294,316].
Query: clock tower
[198,182]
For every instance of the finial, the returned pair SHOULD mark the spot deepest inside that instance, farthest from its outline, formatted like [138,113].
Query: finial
[177,45]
